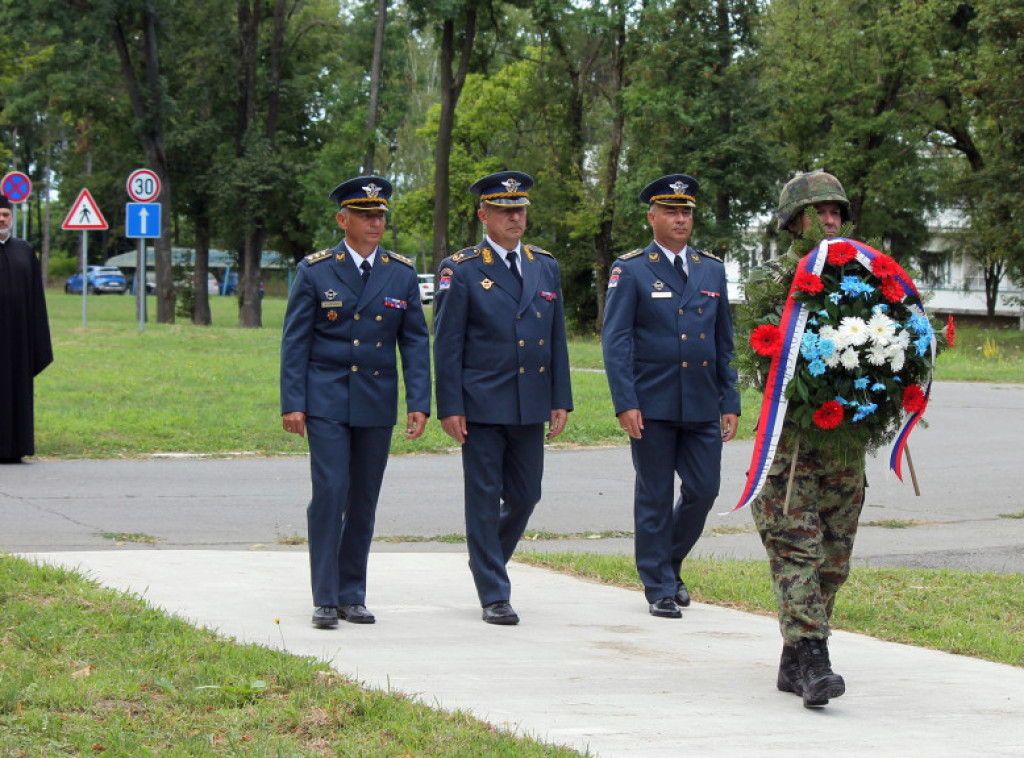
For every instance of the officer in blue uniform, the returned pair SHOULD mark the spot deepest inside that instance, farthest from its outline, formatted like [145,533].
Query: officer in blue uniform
[348,309]
[501,369]
[667,345]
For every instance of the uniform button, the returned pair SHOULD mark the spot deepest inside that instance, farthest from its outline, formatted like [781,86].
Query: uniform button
[355,368]
[542,369]
[522,343]
[541,342]
[518,317]
[522,370]
[702,335]
[376,373]
[379,318]
[538,314]
[700,310]
[355,343]
[356,317]
[705,363]
[680,311]
[685,364]
[683,336]
[380,344]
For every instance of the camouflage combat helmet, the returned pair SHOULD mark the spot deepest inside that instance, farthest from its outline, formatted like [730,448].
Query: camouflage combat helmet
[809,189]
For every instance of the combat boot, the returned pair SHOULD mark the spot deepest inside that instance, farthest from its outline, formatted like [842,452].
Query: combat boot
[817,678]
[789,671]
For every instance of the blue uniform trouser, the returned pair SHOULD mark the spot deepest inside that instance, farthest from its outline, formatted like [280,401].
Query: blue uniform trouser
[347,465]
[502,466]
[665,534]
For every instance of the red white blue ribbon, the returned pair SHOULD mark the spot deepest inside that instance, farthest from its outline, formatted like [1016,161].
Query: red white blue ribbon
[783,367]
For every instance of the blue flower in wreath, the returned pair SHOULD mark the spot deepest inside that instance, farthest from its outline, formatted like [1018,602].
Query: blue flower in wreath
[864,411]
[835,297]
[842,400]
[862,383]
[853,287]
[922,344]
[920,324]
[878,387]
[816,367]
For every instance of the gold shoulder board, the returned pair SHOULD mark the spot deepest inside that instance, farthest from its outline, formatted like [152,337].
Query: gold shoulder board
[706,254]
[533,249]
[402,259]
[317,257]
[631,254]
[465,255]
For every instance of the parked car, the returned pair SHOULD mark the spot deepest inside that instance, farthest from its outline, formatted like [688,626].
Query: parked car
[231,285]
[100,280]
[426,288]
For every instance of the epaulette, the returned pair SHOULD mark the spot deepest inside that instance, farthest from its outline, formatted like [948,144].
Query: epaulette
[706,254]
[317,257]
[465,255]
[631,254]
[533,249]
[402,259]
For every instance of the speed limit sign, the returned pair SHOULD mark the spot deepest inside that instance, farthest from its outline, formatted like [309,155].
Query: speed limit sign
[143,185]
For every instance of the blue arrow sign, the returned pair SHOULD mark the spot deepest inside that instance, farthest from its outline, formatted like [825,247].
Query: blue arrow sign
[142,220]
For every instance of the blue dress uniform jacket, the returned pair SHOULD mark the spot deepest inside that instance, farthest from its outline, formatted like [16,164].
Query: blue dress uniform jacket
[667,350]
[500,353]
[338,366]
[500,360]
[338,352]
[668,346]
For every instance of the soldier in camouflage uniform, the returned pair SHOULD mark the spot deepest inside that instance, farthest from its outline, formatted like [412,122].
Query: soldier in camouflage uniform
[809,544]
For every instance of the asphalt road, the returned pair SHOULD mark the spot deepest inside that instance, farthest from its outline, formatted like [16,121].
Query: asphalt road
[968,464]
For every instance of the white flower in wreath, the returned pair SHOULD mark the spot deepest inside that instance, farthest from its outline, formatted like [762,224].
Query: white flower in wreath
[849,358]
[877,355]
[882,329]
[853,331]
[897,361]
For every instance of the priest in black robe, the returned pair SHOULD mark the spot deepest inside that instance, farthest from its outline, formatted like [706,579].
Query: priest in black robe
[25,348]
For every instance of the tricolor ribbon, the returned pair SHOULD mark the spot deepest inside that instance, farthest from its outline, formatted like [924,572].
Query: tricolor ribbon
[783,367]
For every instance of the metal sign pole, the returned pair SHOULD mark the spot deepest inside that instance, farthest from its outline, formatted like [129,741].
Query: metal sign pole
[85,279]
[24,221]
[140,285]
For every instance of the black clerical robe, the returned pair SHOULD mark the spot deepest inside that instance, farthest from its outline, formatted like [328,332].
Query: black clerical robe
[25,348]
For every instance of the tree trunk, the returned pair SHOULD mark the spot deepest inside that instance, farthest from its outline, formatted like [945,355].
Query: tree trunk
[148,109]
[451,89]
[201,301]
[371,119]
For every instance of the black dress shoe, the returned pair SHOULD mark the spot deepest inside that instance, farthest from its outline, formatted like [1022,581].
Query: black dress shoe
[355,614]
[325,617]
[666,608]
[500,613]
[682,597]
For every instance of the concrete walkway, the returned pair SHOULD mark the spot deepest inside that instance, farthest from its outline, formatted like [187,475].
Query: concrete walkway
[588,667]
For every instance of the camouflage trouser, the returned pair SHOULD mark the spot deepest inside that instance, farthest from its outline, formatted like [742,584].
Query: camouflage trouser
[809,547]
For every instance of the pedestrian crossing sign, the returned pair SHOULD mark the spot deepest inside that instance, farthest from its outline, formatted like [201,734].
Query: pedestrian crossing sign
[84,214]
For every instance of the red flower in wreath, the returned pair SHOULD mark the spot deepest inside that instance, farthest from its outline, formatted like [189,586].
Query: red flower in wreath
[807,282]
[840,253]
[766,340]
[913,399]
[950,330]
[829,416]
[892,290]
[883,266]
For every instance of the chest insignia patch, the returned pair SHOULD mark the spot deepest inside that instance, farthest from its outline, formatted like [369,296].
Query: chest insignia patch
[549,296]
[658,285]
[486,284]
[394,302]
[332,315]
[711,294]
[330,294]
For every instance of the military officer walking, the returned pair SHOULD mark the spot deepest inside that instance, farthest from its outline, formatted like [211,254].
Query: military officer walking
[348,309]
[668,345]
[502,371]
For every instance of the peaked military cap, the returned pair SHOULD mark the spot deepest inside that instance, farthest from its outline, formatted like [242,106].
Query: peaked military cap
[364,193]
[674,190]
[504,188]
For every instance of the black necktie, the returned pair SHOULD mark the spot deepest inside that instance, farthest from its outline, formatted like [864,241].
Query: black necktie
[511,258]
[365,266]
[678,263]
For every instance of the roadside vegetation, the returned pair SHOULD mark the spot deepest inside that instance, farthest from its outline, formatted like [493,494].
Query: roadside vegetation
[113,392]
